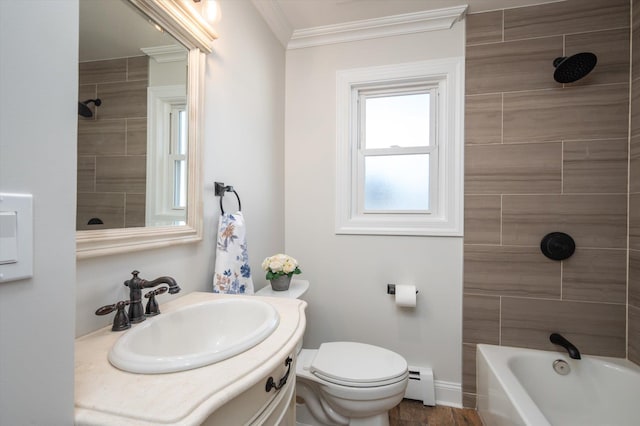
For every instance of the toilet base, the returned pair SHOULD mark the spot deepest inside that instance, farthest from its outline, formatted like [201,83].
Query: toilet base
[305,418]
[379,420]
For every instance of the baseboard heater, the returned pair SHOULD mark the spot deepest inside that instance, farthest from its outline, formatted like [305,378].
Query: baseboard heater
[421,385]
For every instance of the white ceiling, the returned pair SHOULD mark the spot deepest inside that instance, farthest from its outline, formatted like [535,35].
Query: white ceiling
[293,19]
[302,14]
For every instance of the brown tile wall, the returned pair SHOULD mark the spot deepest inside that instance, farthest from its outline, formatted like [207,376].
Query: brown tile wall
[542,157]
[633,311]
[112,145]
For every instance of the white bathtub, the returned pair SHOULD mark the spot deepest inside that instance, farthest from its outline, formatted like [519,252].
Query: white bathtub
[518,386]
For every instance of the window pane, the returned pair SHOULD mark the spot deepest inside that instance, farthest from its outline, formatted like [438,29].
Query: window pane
[396,182]
[180,184]
[400,120]
[182,132]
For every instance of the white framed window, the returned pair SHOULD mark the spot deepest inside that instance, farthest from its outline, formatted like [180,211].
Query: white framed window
[166,155]
[399,149]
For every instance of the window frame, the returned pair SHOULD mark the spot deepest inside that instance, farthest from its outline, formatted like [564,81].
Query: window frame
[161,103]
[444,218]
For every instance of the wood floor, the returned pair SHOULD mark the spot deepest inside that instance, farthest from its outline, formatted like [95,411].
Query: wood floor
[413,413]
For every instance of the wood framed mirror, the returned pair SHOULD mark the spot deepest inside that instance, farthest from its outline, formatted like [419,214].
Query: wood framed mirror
[180,19]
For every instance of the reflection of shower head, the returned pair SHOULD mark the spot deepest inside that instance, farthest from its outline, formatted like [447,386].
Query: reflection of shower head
[84,110]
[573,68]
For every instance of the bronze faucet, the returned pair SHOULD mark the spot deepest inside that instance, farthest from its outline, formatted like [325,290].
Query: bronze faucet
[136,284]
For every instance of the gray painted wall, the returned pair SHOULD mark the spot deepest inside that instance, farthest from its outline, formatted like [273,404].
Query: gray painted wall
[38,83]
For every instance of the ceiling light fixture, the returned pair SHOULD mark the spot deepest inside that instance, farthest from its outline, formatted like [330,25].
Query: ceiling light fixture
[212,11]
[155,25]
[209,10]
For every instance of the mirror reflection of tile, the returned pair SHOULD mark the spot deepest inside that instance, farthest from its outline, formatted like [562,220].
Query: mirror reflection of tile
[112,144]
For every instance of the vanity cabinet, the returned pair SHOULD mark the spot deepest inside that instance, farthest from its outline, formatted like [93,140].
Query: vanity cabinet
[229,392]
[256,406]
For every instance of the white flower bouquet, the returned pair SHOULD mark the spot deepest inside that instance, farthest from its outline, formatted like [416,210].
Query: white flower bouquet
[279,265]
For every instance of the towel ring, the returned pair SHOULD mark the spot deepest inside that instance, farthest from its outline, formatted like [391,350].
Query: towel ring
[237,196]
[220,189]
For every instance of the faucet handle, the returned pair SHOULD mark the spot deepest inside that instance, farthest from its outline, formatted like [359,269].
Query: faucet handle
[152,307]
[156,292]
[121,319]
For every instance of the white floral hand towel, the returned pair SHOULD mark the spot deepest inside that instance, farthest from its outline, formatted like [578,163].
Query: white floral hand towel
[232,273]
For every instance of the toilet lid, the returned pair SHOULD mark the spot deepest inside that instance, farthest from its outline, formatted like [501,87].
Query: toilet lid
[358,364]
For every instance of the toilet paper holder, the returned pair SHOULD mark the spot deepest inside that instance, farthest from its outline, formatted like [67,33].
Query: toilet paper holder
[391,289]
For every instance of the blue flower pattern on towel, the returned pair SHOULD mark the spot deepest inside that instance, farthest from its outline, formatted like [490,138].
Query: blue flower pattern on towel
[245,269]
[225,283]
[232,271]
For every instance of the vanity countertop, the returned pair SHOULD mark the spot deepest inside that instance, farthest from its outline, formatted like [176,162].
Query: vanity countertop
[107,395]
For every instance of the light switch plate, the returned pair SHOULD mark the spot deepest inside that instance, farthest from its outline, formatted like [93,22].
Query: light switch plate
[16,236]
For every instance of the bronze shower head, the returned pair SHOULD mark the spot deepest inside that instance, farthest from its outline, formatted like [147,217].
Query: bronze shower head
[84,110]
[573,68]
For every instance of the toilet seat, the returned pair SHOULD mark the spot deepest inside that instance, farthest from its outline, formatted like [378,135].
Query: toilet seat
[358,365]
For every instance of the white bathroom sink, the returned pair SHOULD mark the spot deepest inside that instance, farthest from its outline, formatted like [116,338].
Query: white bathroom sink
[194,336]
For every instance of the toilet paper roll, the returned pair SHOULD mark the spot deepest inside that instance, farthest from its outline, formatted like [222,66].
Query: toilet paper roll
[406,295]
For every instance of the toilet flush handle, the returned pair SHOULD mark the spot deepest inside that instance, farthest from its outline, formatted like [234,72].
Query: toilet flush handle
[271,383]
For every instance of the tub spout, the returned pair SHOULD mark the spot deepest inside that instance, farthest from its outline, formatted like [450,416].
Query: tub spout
[558,339]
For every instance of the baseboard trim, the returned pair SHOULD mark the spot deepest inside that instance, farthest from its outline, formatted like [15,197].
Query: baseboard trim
[448,393]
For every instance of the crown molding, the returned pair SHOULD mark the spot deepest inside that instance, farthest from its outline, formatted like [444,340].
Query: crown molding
[431,20]
[162,54]
[181,20]
[275,19]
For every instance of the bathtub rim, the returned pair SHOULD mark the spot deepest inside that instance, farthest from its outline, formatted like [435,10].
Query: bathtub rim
[526,408]
[497,357]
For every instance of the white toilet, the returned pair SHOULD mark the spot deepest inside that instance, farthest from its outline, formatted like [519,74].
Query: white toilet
[346,383]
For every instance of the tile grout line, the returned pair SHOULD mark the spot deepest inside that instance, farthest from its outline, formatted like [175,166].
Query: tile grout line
[126,137]
[561,280]
[562,167]
[95,173]
[499,321]
[501,214]
[124,210]
[533,38]
[549,89]
[503,25]
[561,194]
[554,34]
[502,117]
[626,348]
